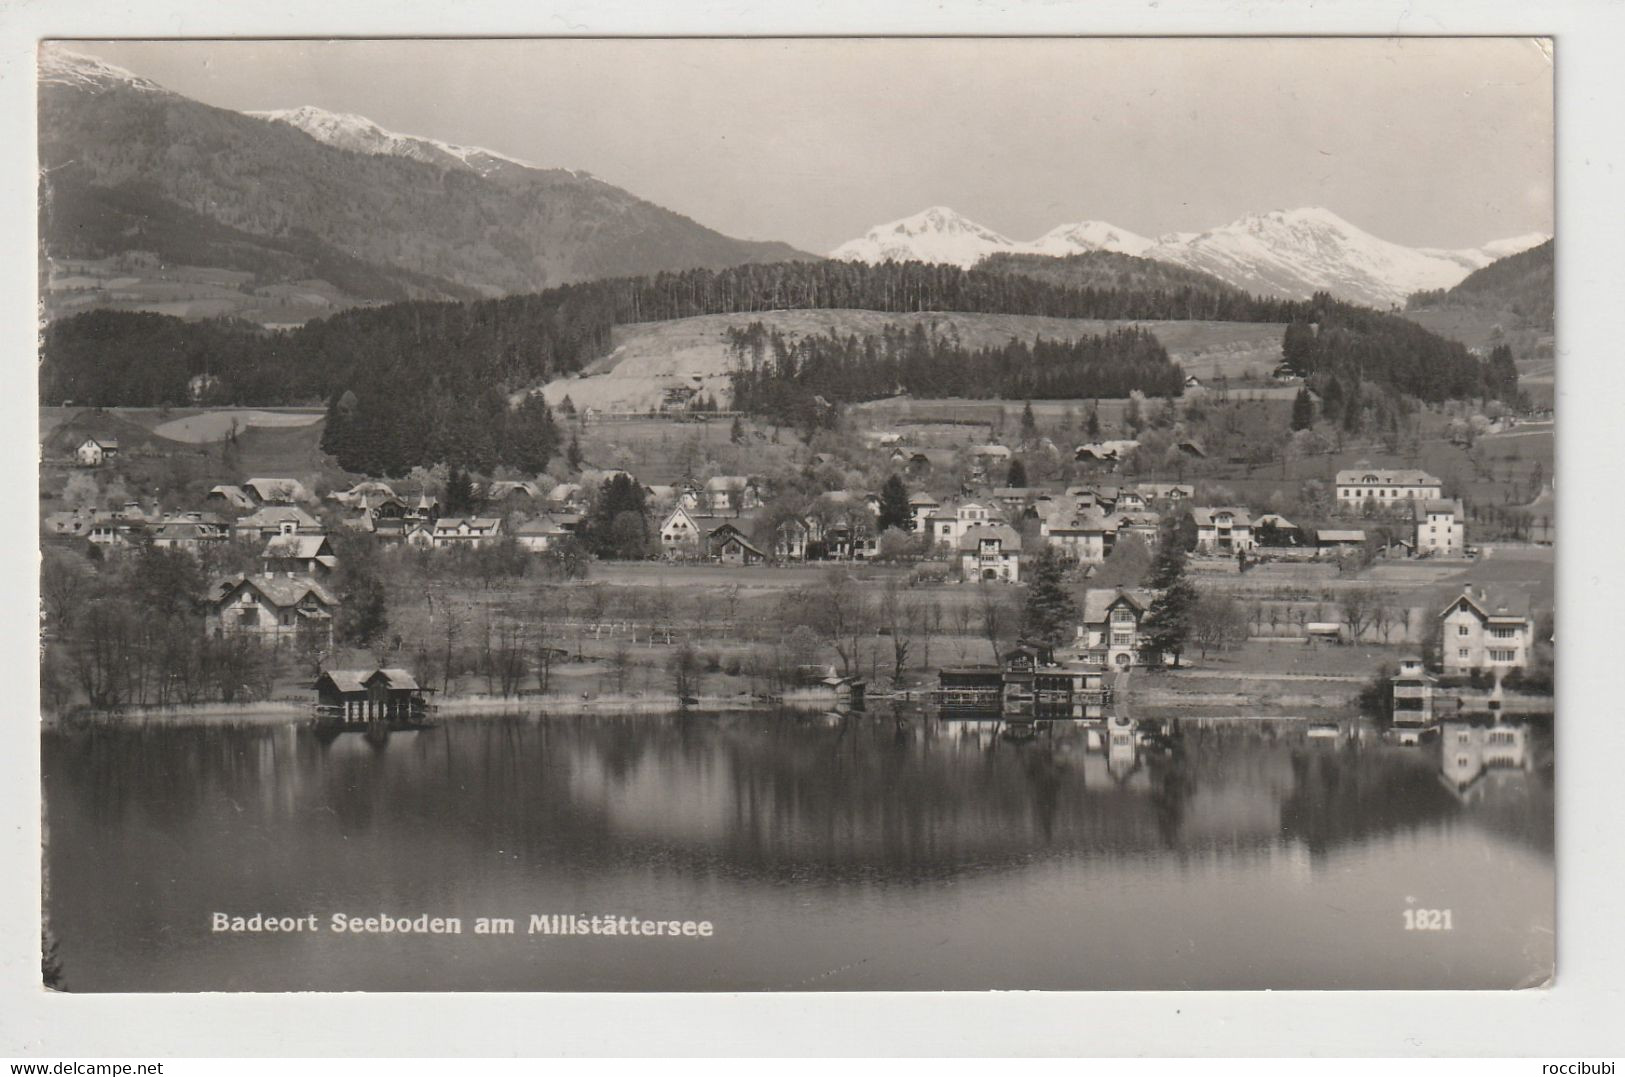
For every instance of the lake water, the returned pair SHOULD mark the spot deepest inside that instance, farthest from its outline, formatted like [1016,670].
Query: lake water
[828,853]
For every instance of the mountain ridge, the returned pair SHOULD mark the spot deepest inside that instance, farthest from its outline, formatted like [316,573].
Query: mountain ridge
[480,222]
[1283,253]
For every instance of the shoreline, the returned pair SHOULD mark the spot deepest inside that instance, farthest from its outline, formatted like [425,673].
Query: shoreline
[471,705]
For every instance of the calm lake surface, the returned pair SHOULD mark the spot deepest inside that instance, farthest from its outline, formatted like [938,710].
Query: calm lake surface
[829,853]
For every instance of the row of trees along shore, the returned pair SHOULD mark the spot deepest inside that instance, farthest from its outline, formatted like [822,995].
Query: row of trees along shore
[422,382]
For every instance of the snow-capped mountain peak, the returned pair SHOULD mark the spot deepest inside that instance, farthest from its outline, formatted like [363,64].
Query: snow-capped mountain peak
[939,234]
[68,68]
[1087,236]
[1296,252]
[347,131]
[1284,252]
[936,234]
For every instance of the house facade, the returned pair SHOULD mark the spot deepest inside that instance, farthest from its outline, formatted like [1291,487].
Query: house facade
[1359,486]
[1110,634]
[1082,535]
[270,607]
[1482,631]
[470,531]
[540,535]
[732,494]
[305,555]
[990,552]
[729,545]
[682,534]
[1223,531]
[93,452]
[1441,529]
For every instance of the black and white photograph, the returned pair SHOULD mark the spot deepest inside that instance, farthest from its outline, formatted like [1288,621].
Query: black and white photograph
[818,514]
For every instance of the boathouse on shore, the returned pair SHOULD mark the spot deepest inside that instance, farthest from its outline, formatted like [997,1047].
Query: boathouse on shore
[359,694]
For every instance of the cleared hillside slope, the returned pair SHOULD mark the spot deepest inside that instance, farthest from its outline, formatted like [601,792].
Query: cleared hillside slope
[648,358]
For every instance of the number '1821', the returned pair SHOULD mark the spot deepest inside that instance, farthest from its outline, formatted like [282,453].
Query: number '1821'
[1427,920]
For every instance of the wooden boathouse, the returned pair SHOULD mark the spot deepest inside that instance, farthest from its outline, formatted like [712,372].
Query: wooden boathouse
[1030,683]
[367,695]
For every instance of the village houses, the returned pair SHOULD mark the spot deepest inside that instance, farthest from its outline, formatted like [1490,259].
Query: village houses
[1110,632]
[1483,631]
[466,531]
[1441,529]
[1223,531]
[1360,485]
[990,551]
[271,607]
[306,555]
[93,452]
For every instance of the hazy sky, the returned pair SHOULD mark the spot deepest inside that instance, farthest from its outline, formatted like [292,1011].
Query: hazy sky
[1441,142]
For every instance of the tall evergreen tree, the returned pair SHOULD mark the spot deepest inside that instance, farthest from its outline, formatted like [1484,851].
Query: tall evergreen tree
[459,493]
[1303,410]
[1049,614]
[1298,348]
[1169,563]
[1092,427]
[1168,622]
[894,510]
[1016,474]
[1029,423]
[572,455]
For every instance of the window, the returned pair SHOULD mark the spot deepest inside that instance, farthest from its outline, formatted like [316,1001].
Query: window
[1122,617]
[1461,630]
[1463,738]
[1504,633]
[1122,639]
[1462,653]
[1461,761]
[1501,654]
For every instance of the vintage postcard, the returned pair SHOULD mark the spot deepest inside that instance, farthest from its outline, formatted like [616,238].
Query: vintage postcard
[797,514]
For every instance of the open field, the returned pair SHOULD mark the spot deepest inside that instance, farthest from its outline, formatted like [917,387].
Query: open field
[218,424]
[76,285]
[649,357]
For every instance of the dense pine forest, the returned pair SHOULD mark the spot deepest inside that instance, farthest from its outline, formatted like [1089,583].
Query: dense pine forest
[786,379]
[420,382]
[1334,341]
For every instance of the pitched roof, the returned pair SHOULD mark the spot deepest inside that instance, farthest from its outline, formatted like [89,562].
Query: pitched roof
[345,680]
[275,515]
[1493,603]
[1435,504]
[541,525]
[233,494]
[1378,476]
[280,590]
[1205,517]
[394,677]
[277,489]
[299,546]
[176,530]
[1098,602]
[1331,535]
[1009,539]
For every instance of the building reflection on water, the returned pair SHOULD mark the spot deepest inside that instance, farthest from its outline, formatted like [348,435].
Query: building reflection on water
[857,812]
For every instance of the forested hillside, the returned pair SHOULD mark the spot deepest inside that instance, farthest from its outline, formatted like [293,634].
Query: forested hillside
[795,381]
[1111,270]
[419,375]
[1337,347]
[1524,283]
